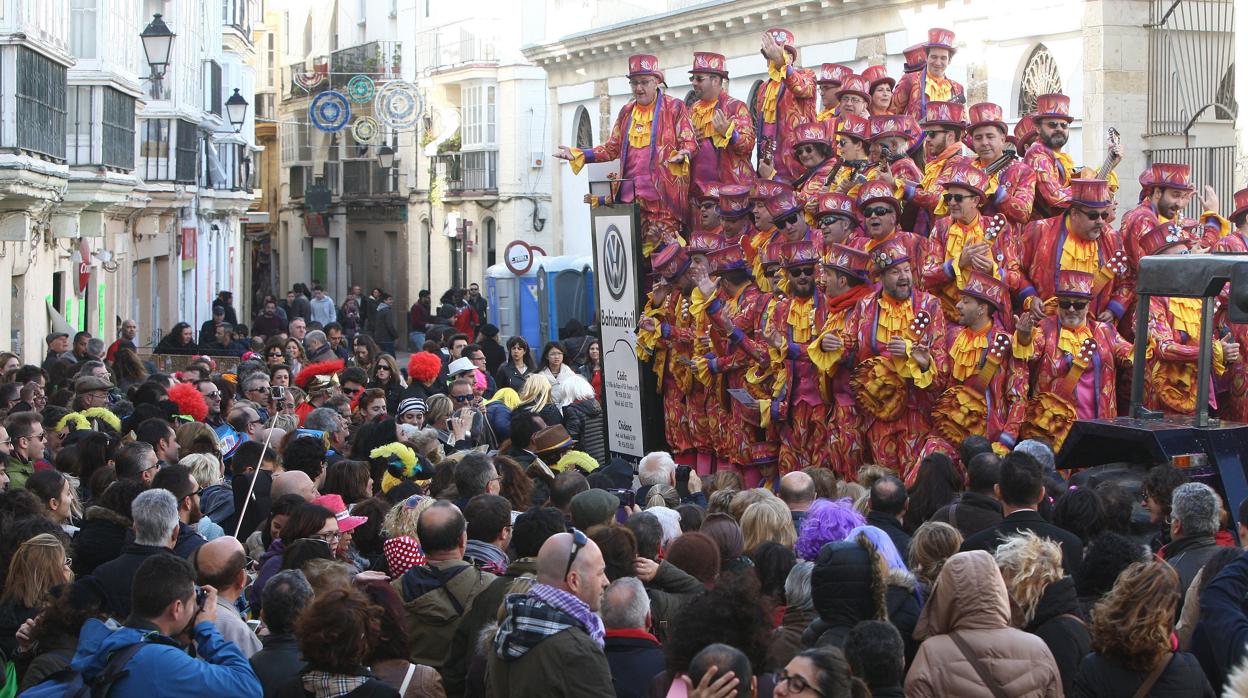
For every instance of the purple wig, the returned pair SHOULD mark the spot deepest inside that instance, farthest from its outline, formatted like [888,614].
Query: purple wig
[826,521]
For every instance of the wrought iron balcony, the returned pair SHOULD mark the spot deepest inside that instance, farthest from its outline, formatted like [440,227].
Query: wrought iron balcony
[379,60]
[468,173]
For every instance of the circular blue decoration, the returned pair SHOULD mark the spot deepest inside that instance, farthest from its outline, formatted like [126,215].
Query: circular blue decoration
[365,130]
[360,89]
[329,111]
[397,105]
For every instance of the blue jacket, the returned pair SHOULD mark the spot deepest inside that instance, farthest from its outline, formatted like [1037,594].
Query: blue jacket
[1220,640]
[161,669]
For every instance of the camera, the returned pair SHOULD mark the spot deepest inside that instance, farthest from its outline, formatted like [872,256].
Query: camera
[277,392]
[682,479]
[627,497]
[201,595]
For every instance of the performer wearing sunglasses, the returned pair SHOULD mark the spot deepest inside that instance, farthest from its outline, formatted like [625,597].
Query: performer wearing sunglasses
[942,126]
[1080,240]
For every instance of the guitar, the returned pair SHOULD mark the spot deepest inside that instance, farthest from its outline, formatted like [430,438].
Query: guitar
[996,224]
[1114,267]
[1007,157]
[1112,139]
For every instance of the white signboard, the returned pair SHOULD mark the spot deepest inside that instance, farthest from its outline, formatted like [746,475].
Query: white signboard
[616,276]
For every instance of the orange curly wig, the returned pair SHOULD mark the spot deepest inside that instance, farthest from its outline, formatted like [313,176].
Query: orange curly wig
[423,367]
[189,400]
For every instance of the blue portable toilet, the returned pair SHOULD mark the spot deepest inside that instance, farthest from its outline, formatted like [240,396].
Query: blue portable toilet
[539,302]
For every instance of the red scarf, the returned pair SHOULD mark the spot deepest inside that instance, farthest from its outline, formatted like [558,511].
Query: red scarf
[848,299]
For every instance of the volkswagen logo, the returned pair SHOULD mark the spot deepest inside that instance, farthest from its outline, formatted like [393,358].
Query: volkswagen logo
[614,263]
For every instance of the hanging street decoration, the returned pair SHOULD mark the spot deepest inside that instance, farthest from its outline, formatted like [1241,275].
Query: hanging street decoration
[308,79]
[397,105]
[329,111]
[364,130]
[360,89]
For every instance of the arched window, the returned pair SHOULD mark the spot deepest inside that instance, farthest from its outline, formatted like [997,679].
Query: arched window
[1225,97]
[1040,76]
[758,85]
[584,129]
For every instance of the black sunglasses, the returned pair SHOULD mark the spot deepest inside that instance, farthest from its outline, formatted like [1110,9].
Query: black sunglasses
[801,271]
[877,212]
[1093,216]
[957,198]
[788,220]
[770,272]
[578,541]
[832,220]
[464,398]
[803,149]
[1075,305]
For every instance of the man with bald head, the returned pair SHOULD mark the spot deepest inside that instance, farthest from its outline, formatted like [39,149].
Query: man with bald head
[294,482]
[797,491]
[551,640]
[437,594]
[220,564]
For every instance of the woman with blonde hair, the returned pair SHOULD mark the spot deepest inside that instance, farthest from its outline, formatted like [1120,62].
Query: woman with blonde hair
[932,544]
[216,500]
[745,498]
[1043,600]
[298,357]
[535,397]
[38,565]
[1131,630]
[768,520]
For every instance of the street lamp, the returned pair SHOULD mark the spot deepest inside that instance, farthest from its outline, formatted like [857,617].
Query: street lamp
[236,110]
[157,43]
[385,157]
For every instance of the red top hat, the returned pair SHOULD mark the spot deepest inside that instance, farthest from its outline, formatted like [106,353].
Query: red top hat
[1241,206]
[764,189]
[848,260]
[986,114]
[967,176]
[987,288]
[878,75]
[833,74]
[1025,131]
[943,114]
[773,254]
[1075,284]
[784,38]
[1090,193]
[1052,106]
[916,58]
[911,126]
[734,201]
[855,85]
[1161,238]
[810,132]
[706,192]
[834,203]
[1169,175]
[800,253]
[889,125]
[669,261]
[875,190]
[783,203]
[940,38]
[853,126]
[888,255]
[707,62]
[728,258]
[702,242]
[644,64]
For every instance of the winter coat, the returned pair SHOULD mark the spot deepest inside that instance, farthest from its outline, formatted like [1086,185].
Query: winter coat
[890,525]
[508,377]
[1058,623]
[1187,555]
[117,575]
[217,502]
[384,330]
[162,668]
[484,611]
[277,663]
[972,513]
[436,597]
[635,658]
[566,662]
[585,423]
[786,639]
[969,598]
[990,539]
[100,539]
[841,589]
[188,541]
[1220,640]
[499,417]
[53,656]
[668,592]
[1102,677]
[12,615]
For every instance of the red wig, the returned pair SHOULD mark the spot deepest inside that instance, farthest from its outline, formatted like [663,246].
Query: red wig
[324,368]
[189,400]
[423,367]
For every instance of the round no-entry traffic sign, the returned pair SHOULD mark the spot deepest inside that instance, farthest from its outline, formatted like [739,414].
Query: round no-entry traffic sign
[518,257]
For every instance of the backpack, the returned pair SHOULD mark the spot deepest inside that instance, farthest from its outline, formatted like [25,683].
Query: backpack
[68,683]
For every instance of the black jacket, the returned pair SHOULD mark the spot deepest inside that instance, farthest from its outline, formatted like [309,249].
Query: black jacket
[12,615]
[840,587]
[1187,555]
[890,525]
[100,539]
[495,355]
[635,657]
[508,377]
[1057,621]
[117,575]
[972,513]
[1101,677]
[585,423]
[189,541]
[1028,520]
[277,663]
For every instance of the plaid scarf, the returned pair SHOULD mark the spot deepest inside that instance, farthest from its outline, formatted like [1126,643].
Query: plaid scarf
[542,612]
[572,606]
[323,684]
[486,556]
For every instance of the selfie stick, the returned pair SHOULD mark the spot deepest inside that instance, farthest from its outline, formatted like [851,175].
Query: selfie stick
[252,487]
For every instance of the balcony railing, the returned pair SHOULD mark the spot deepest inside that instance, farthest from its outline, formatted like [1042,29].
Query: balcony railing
[367,178]
[379,60]
[469,172]
[459,44]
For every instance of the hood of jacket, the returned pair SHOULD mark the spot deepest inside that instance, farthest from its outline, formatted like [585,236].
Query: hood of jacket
[968,594]
[1058,598]
[840,584]
[418,584]
[105,515]
[97,641]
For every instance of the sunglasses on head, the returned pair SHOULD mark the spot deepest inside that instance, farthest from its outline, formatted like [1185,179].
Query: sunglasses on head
[788,220]
[578,541]
[1072,305]
[877,212]
[1094,215]
[796,272]
[956,198]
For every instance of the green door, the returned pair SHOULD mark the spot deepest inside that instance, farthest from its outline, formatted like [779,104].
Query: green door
[320,266]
